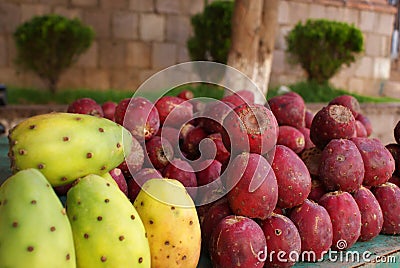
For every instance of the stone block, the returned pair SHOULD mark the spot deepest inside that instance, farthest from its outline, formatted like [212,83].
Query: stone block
[72,78]
[114,4]
[368,20]
[364,67]
[145,74]
[278,62]
[298,12]
[125,79]
[385,24]
[112,54]
[168,6]
[28,11]
[152,27]
[281,33]
[163,55]
[3,52]
[376,45]
[89,59]
[351,15]
[85,3]
[317,11]
[283,12]
[191,7]
[339,82]
[70,13]
[334,13]
[178,29]
[356,84]
[381,68]
[141,5]
[99,20]
[98,79]
[138,55]
[183,54]
[125,25]
[54,2]
[10,17]
[9,76]
[11,50]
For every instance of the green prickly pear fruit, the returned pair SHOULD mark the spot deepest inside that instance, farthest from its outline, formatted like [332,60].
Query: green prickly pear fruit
[66,146]
[34,229]
[171,221]
[107,230]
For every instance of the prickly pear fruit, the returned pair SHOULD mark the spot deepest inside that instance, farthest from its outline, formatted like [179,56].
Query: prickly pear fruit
[86,106]
[289,109]
[34,228]
[291,137]
[366,122]
[107,229]
[66,146]
[172,225]
[347,101]
[388,195]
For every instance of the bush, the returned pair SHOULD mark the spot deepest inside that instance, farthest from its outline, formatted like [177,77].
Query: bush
[212,32]
[322,47]
[50,44]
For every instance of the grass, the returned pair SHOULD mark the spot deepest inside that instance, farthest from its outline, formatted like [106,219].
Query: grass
[311,92]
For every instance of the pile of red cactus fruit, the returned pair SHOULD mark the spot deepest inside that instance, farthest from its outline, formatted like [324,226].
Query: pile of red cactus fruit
[266,178]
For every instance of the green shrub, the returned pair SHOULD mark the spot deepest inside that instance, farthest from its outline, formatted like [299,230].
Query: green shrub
[50,44]
[321,47]
[212,32]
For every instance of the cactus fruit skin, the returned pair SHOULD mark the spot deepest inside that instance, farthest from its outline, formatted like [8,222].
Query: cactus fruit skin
[388,195]
[349,102]
[66,146]
[107,229]
[289,109]
[171,221]
[291,137]
[34,228]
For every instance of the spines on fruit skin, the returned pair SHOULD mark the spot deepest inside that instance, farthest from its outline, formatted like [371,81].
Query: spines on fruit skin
[34,228]
[66,146]
[107,229]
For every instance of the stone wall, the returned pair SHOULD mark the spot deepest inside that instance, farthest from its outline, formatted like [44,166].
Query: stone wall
[136,38]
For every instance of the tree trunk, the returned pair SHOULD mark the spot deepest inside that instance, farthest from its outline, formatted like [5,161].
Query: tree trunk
[254,24]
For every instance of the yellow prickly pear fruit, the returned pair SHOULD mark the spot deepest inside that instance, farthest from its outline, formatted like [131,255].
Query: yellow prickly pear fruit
[107,229]
[170,218]
[66,146]
[34,229]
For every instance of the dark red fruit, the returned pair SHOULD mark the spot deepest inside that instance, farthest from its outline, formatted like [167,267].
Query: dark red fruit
[207,171]
[349,102]
[182,171]
[186,94]
[361,131]
[177,110]
[312,159]
[240,97]
[213,116]
[134,161]
[221,154]
[394,149]
[317,190]
[237,242]
[171,135]
[289,109]
[62,189]
[308,118]
[307,140]
[108,108]
[85,106]
[158,152]
[137,180]
[139,116]
[119,178]
[332,122]
[388,196]
[291,137]
[192,140]
[366,122]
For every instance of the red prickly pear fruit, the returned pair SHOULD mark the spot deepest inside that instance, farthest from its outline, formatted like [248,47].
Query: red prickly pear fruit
[394,149]
[289,109]
[186,94]
[345,217]
[292,138]
[347,101]
[250,128]
[239,97]
[119,178]
[307,140]
[308,118]
[395,179]
[62,189]
[158,152]
[253,186]
[281,236]
[236,242]
[371,214]
[396,132]
[185,129]
[139,116]
[317,190]
[182,171]
[361,131]
[208,171]
[177,110]
[85,106]
[138,179]
[278,210]
[388,196]
[222,155]
[108,108]
[134,161]
[293,177]
[342,166]
[332,122]
[213,116]
[192,140]
[366,122]
[315,228]
[379,164]
[215,213]
[312,159]
[171,135]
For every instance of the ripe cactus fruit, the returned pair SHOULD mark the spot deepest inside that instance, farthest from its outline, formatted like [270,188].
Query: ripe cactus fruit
[332,122]
[254,189]
[315,228]
[34,228]
[182,171]
[66,146]
[177,110]
[342,166]
[281,236]
[371,214]
[289,109]
[237,241]
[106,227]
[291,137]
[345,217]
[86,106]
[379,164]
[388,196]
[366,122]
[347,101]
[312,159]
[294,180]
[172,225]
